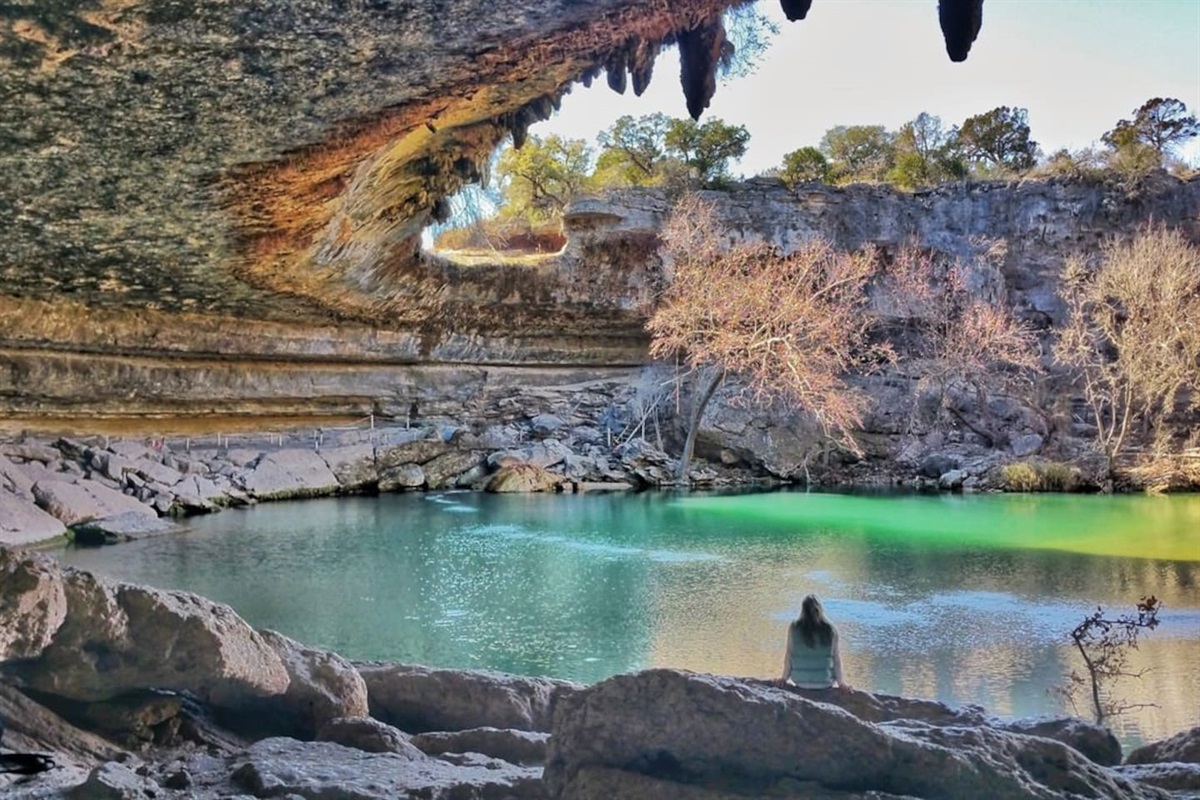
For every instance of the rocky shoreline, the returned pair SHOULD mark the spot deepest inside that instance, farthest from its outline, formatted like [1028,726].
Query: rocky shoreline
[97,490]
[143,693]
[102,492]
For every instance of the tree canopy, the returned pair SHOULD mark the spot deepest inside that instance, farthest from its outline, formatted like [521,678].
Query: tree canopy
[706,148]
[999,139]
[1161,123]
[540,178]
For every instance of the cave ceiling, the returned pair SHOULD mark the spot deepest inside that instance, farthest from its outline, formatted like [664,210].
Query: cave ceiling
[278,159]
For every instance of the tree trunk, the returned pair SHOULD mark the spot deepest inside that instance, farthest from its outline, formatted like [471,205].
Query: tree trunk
[698,407]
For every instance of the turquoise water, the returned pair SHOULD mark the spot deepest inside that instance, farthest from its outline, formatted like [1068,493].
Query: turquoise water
[968,599]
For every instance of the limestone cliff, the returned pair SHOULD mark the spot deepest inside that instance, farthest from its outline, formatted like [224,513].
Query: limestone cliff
[545,322]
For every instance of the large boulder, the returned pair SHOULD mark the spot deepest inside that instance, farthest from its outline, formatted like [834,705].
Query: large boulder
[442,471]
[124,527]
[33,604]
[85,500]
[419,699]
[352,465]
[118,638]
[286,767]
[1092,740]
[288,474]
[322,686]
[22,522]
[1183,746]
[750,739]
[523,478]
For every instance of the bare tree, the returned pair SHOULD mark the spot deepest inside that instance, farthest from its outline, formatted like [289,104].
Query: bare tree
[1132,337]
[1103,644]
[958,327]
[790,327]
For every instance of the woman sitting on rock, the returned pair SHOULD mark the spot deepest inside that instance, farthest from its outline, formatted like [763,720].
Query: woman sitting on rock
[812,660]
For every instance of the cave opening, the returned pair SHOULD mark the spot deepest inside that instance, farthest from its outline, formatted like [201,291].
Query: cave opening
[511,210]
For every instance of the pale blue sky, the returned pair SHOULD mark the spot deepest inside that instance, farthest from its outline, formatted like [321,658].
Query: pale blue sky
[1077,65]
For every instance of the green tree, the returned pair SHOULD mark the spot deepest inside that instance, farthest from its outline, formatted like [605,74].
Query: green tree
[925,154]
[858,152]
[538,180]
[806,165]
[706,148]
[1160,123]
[998,140]
[632,151]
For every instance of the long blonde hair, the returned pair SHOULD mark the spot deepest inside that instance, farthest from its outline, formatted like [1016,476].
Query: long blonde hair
[811,624]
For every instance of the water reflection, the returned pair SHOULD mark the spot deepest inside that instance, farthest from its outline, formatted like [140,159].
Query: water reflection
[960,605]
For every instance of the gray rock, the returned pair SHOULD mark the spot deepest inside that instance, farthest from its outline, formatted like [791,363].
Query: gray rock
[23,523]
[289,474]
[154,470]
[1027,445]
[278,767]
[419,699]
[1094,741]
[73,503]
[352,465]
[1174,776]
[111,465]
[952,479]
[112,781]
[369,735]
[606,783]
[124,527]
[545,424]
[322,686]
[15,480]
[515,747]
[400,477]
[243,457]
[692,728]
[937,465]
[1183,746]
[409,452]
[30,451]
[33,604]
[118,638]
[520,478]
[131,449]
[195,493]
[441,472]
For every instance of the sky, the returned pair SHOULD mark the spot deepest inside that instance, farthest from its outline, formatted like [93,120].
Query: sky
[1078,66]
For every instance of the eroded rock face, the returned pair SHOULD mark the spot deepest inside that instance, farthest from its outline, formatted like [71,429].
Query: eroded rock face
[33,604]
[692,729]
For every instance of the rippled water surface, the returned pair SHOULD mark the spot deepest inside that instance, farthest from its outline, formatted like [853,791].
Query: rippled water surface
[966,599]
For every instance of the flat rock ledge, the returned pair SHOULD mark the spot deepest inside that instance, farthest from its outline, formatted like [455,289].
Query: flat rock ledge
[140,693]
